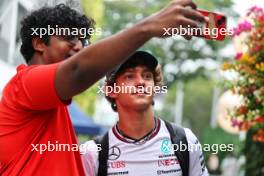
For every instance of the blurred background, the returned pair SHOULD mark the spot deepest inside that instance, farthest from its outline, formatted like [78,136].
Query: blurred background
[196,96]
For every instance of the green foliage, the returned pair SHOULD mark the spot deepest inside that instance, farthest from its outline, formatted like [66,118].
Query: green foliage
[94,9]
[197,104]
[254,153]
[219,136]
[86,100]
[220,5]
[120,14]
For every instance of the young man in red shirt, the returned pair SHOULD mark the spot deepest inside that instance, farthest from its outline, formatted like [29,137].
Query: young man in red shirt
[36,134]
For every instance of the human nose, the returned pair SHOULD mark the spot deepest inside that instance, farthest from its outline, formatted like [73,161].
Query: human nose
[140,81]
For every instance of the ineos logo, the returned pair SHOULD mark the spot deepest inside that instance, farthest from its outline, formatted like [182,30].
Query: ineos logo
[114,153]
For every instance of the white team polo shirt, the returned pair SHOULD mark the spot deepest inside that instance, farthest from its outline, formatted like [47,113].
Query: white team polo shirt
[150,158]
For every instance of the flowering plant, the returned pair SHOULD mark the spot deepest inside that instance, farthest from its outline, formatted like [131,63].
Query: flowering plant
[249,65]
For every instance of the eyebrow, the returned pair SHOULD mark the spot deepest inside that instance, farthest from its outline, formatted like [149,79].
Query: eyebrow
[146,69]
[129,70]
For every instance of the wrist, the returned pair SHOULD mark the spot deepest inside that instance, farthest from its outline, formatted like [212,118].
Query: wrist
[145,29]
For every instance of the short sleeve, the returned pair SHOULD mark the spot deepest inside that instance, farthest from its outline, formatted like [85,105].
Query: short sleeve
[33,87]
[197,163]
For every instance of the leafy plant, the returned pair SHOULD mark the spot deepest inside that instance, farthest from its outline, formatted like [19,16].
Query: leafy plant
[249,65]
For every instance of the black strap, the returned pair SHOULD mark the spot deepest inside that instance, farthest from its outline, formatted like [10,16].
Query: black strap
[103,154]
[178,137]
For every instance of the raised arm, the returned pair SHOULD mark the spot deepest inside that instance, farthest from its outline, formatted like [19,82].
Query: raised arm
[80,71]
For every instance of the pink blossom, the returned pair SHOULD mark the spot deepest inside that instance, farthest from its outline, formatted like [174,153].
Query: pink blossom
[235,122]
[255,9]
[236,31]
[242,27]
[245,26]
[238,55]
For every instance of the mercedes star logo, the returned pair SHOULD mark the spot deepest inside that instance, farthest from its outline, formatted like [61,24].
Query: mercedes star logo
[114,153]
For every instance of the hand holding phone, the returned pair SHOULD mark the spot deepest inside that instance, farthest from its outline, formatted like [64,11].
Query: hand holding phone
[215,27]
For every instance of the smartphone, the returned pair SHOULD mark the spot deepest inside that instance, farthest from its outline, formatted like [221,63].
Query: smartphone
[215,27]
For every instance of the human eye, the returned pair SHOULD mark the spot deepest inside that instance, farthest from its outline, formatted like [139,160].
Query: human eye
[148,75]
[72,40]
[128,76]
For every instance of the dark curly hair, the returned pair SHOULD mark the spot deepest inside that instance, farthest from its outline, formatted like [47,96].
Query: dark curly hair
[60,16]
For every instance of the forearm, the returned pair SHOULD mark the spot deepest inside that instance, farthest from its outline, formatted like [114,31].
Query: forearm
[104,55]
[93,62]
[86,67]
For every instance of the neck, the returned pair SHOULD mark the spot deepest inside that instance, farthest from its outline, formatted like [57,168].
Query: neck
[36,59]
[136,124]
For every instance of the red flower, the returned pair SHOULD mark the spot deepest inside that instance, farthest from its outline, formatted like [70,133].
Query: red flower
[245,126]
[259,31]
[238,55]
[242,110]
[257,48]
[259,120]
[259,136]
[261,18]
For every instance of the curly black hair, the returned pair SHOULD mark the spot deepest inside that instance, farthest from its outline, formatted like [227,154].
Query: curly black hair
[60,16]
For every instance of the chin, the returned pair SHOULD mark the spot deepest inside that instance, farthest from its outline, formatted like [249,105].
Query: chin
[143,107]
[142,104]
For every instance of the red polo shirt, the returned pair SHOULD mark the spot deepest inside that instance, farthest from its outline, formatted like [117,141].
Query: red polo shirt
[32,119]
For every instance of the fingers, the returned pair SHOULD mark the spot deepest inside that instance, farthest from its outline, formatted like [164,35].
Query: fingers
[188,23]
[193,14]
[180,13]
[185,8]
[185,3]
[189,16]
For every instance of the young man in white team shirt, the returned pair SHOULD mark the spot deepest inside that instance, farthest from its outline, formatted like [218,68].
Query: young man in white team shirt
[137,141]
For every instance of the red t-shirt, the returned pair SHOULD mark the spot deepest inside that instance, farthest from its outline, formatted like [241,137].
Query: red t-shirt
[33,117]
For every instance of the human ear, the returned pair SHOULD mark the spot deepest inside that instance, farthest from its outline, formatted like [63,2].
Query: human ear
[111,94]
[38,44]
